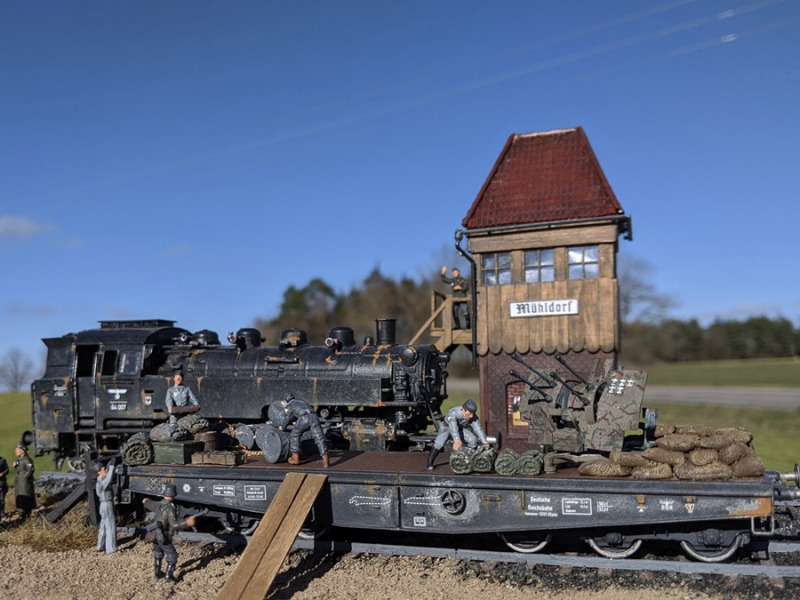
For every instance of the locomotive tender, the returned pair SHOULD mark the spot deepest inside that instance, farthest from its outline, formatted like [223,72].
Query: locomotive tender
[101,386]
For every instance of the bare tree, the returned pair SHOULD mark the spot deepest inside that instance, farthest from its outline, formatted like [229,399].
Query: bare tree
[16,369]
[638,298]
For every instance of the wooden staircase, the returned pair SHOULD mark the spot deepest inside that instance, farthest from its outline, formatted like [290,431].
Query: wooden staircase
[441,325]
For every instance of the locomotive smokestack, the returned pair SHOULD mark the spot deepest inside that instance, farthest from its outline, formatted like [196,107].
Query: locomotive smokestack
[385,331]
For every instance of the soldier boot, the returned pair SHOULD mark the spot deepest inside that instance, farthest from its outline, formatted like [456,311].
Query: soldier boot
[325,462]
[157,572]
[294,459]
[170,576]
[432,456]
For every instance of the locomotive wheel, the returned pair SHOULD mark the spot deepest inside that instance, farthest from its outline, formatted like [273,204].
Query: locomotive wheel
[76,464]
[712,554]
[527,542]
[613,546]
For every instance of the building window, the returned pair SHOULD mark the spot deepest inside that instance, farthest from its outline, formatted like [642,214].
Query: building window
[496,268]
[583,262]
[539,266]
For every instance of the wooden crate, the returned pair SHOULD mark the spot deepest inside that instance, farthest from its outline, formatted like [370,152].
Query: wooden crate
[219,457]
[175,453]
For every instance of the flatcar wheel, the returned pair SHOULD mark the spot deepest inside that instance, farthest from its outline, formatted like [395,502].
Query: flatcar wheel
[313,532]
[527,542]
[604,547]
[711,555]
[77,464]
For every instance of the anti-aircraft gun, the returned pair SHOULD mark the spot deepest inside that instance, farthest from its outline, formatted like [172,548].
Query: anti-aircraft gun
[573,413]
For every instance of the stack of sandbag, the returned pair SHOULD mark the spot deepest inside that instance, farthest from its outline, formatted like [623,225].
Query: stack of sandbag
[137,450]
[690,452]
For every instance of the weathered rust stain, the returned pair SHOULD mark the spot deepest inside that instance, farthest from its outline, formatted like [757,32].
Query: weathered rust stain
[755,507]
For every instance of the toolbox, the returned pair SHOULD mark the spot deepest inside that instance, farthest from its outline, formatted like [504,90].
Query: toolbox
[175,453]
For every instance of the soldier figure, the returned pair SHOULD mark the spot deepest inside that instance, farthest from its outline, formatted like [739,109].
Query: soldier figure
[462,424]
[107,532]
[302,413]
[23,481]
[3,486]
[460,286]
[180,400]
[166,523]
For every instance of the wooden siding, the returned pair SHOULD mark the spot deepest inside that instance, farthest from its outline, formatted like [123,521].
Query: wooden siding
[543,238]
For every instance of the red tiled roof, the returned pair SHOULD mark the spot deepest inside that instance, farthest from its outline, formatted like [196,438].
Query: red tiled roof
[543,177]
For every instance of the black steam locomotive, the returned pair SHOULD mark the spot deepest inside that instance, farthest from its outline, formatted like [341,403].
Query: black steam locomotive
[103,385]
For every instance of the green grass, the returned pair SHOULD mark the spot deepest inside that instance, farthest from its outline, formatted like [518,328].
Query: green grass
[15,417]
[774,372]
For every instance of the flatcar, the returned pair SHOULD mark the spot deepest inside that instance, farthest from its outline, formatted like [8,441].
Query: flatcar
[103,385]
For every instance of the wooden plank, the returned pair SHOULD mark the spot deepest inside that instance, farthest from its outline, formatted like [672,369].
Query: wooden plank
[275,520]
[262,579]
[66,504]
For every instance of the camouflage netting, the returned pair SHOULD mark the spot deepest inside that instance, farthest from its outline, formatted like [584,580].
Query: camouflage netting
[483,459]
[531,462]
[137,450]
[507,462]
[690,452]
[461,460]
[169,433]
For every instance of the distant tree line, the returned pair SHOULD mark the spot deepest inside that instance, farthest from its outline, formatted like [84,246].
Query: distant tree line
[670,340]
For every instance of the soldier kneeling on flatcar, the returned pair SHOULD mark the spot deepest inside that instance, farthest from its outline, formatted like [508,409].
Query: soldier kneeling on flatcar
[302,414]
[462,424]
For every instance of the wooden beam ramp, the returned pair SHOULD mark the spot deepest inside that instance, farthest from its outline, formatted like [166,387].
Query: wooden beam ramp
[272,540]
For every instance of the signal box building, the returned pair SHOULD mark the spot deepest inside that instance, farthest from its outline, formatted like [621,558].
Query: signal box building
[543,232]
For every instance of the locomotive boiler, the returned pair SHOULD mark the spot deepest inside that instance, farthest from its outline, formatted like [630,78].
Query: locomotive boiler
[103,385]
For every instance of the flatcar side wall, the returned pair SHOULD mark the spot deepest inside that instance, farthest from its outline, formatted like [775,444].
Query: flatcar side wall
[467,504]
[500,392]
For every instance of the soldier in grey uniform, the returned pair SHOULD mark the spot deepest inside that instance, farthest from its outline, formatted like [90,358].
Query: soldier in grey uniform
[107,531]
[462,424]
[179,399]
[3,486]
[302,414]
[459,285]
[24,493]
[167,523]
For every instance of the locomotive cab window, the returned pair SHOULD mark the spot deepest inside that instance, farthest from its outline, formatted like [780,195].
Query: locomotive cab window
[129,365]
[109,368]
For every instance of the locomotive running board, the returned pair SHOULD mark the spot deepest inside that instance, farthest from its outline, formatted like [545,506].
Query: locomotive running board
[273,539]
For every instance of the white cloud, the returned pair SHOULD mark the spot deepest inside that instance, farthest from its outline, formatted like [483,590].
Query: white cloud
[20,227]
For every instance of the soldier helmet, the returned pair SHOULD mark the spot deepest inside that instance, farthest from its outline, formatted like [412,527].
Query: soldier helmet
[170,491]
[288,396]
[470,406]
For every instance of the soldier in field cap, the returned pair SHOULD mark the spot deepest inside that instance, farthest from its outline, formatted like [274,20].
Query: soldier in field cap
[463,426]
[23,481]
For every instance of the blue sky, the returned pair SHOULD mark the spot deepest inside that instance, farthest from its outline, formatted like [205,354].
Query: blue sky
[189,160]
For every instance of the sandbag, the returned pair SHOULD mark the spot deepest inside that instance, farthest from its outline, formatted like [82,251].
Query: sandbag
[748,466]
[733,452]
[702,456]
[663,429]
[603,468]
[629,459]
[693,428]
[711,472]
[737,433]
[717,441]
[656,471]
[682,442]
[660,455]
